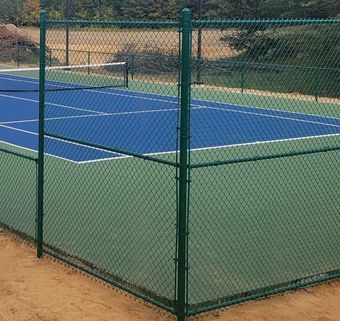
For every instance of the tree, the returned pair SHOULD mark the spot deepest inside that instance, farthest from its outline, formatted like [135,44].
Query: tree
[29,13]
[10,10]
[170,9]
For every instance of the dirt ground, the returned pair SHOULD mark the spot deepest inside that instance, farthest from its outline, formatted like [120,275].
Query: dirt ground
[47,290]
[113,40]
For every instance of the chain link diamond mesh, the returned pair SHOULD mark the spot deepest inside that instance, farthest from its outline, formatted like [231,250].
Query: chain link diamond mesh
[249,208]
[264,155]
[18,191]
[117,149]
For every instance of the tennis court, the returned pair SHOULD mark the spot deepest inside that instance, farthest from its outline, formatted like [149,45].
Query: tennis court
[121,111]
[191,196]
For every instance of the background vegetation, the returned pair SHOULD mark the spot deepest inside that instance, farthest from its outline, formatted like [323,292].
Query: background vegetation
[25,12]
[289,59]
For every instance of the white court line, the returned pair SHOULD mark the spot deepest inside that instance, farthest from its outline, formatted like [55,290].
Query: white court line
[57,139]
[51,118]
[175,102]
[32,150]
[216,108]
[18,146]
[203,100]
[85,116]
[272,116]
[108,64]
[195,108]
[162,153]
[91,111]
[80,116]
[266,142]
[52,104]
[104,159]
[20,130]
[218,147]
[213,147]
[97,91]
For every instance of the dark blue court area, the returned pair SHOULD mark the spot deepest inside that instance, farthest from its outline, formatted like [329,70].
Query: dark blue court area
[141,122]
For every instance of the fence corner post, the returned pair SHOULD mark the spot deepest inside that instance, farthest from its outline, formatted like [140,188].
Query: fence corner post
[40,182]
[182,228]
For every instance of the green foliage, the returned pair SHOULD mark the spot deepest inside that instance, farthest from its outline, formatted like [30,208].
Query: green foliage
[19,55]
[310,8]
[284,58]
[19,11]
[26,11]
[149,60]
[170,9]
[287,44]
[10,10]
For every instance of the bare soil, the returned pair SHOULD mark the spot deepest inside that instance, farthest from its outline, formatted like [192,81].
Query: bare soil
[10,54]
[113,40]
[47,290]
[11,35]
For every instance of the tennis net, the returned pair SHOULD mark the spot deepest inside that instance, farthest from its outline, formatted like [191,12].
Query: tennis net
[65,78]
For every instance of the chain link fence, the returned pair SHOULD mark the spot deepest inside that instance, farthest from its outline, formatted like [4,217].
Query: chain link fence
[118,133]
[18,194]
[263,160]
[18,55]
[191,163]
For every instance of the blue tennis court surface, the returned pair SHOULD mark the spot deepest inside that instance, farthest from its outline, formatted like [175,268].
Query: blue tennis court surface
[141,122]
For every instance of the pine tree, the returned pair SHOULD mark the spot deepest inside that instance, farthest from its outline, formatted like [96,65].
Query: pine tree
[29,13]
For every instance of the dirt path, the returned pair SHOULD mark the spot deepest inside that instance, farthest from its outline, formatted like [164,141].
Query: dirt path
[46,290]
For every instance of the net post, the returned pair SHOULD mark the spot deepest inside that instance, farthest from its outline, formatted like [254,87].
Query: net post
[18,55]
[182,228]
[317,84]
[126,75]
[132,66]
[88,61]
[40,187]
[243,70]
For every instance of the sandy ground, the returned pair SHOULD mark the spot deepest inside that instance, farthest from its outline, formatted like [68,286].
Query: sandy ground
[47,290]
[113,40]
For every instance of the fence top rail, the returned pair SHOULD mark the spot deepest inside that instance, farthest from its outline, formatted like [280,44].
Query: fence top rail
[218,23]
[17,154]
[116,23]
[244,22]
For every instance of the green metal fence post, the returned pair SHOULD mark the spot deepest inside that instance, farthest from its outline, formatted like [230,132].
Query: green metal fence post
[40,201]
[126,74]
[132,66]
[243,70]
[182,229]
[317,84]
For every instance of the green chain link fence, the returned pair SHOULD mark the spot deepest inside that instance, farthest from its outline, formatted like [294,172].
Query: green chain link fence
[263,212]
[208,176]
[18,193]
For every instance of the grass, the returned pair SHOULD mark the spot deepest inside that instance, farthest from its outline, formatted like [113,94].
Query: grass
[291,80]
